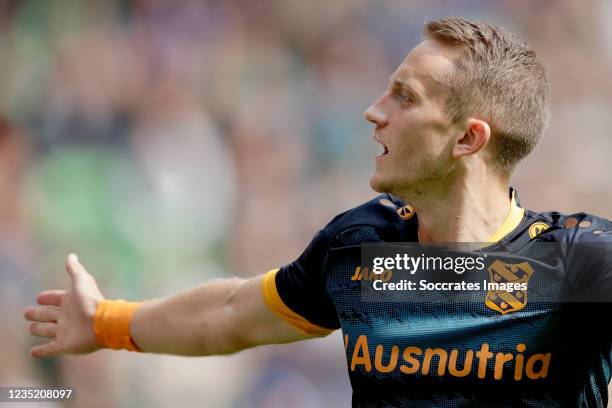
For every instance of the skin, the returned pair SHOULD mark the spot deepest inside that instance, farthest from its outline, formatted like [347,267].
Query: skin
[217,317]
[437,166]
[441,168]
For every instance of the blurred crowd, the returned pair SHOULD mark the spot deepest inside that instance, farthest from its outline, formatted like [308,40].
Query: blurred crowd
[168,143]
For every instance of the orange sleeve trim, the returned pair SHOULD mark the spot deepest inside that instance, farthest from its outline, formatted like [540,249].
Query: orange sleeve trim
[276,304]
[111,324]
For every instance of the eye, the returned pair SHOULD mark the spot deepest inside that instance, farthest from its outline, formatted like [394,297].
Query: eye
[402,95]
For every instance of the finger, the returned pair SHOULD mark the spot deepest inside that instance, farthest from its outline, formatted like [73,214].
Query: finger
[42,313]
[49,349]
[50,297]
[43,329]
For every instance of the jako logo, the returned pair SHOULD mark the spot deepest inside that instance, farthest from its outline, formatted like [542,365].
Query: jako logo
[366,274]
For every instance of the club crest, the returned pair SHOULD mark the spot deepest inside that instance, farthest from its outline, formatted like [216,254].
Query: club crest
[500,275]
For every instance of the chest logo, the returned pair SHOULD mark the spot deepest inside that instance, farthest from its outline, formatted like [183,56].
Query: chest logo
[406,212]
[502,274]
[537,228]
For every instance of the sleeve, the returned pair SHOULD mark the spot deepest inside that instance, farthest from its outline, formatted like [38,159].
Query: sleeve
[297,292]
[590,269]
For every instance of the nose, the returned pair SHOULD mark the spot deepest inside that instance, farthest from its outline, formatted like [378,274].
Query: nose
[375,115]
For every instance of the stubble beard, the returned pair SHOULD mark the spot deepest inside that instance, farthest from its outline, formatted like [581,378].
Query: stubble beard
[431,177]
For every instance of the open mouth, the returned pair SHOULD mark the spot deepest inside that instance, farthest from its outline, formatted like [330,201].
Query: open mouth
[385,150]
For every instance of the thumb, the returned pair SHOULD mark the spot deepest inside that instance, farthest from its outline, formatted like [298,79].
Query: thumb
[82,282]
[74,268]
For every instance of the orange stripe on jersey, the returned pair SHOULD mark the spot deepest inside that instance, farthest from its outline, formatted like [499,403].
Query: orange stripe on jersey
[276,304]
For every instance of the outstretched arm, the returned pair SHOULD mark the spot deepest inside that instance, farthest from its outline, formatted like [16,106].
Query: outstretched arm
[217,317]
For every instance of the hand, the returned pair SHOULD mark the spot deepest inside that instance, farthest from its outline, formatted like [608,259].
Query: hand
[66,317]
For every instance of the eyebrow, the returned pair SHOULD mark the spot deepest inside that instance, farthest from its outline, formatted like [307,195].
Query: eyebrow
[403,84]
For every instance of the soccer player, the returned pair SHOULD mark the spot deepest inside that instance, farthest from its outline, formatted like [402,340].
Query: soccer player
[460,112]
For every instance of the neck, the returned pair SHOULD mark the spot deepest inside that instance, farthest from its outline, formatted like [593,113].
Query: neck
[462,211]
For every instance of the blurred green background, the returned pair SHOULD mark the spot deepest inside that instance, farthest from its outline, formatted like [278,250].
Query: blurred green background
[172,142]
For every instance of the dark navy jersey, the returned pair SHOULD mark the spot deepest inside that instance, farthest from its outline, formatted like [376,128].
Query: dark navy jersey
[491,349]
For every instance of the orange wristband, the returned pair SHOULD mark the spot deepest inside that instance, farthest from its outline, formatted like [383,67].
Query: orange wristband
[111,324]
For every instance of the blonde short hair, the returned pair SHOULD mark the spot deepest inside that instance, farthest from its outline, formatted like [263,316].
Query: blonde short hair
[497,79]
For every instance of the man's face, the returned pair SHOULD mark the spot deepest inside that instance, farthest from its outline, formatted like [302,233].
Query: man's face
[411,124]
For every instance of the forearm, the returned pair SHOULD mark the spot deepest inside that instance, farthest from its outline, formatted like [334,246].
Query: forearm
[218,317]
[204,320]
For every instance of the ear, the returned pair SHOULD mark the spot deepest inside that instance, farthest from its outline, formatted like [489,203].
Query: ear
[476,136]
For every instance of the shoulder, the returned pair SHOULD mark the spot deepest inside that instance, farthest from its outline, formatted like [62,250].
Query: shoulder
[584,243]
[554,226]
[383,218]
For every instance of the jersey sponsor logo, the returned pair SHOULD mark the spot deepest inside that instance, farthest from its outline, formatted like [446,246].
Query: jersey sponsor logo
[501,300]
[436,361]
[406,212]
[362,274]
[537,228]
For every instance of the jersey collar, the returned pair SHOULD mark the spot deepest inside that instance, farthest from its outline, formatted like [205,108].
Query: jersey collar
[513,219]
